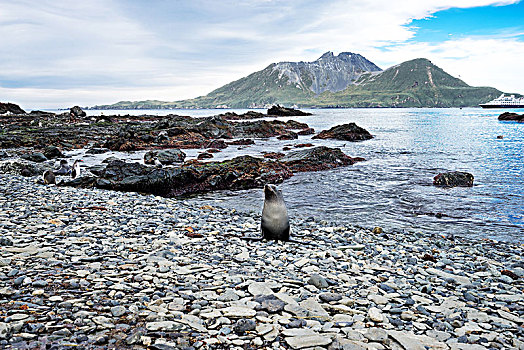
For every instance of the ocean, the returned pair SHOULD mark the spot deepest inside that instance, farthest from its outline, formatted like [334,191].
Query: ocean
[393,187]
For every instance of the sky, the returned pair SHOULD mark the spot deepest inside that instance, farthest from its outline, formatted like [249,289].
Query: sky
[60,53]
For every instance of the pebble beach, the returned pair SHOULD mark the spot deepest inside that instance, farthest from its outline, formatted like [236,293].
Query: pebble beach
[100,269]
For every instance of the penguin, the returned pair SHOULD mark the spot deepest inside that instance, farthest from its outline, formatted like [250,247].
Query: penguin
[75,172]
[64,169]
[49,178]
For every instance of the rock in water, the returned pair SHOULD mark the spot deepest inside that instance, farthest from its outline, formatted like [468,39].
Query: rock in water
[511,116]
[453,179]
[287,112]
[77,112]
[347,132]
[166,157]
[317,158]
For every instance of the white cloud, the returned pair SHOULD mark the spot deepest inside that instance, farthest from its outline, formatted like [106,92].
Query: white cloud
[58,53]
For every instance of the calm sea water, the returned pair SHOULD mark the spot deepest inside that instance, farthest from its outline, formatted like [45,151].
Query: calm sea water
[393,188]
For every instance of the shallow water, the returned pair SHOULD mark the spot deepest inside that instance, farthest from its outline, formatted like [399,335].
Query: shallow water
[393,188]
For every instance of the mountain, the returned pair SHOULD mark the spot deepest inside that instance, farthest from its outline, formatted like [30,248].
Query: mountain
[345,80]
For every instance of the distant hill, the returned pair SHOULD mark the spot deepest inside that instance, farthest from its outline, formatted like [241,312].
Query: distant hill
[346,80]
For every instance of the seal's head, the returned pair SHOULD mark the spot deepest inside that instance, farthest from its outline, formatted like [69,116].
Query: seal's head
[271,192]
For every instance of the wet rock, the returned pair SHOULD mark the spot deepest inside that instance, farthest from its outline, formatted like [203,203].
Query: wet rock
[51,152]
[204,155]
[316,159]
[77,112]
[287,112]
[511,116]
[166,157]
[347,132]
[453,179]
[239,173]
[36,157]
[288,136]
[306,131]
[241,142]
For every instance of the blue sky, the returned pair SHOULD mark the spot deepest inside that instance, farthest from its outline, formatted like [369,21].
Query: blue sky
[57,53]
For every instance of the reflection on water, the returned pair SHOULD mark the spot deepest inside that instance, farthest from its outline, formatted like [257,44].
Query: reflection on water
[393,188]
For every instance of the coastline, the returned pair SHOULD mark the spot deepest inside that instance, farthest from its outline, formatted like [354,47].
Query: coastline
[99,269]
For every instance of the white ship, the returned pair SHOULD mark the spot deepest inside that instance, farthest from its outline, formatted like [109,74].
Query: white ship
[505,102]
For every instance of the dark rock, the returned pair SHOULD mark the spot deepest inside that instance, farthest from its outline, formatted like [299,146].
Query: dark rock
[297,323]
[77,112]
[302,145]
[453,179]
[273,155]
[5,241]
[329,297]
[247,115]
[316,159]
[4,155]
[347,132]
[270,303]
[288,136]
[241,142]
[287,112]
[166,157]
[10,108]
[204,155]
[307,131]
[220,144]
[238,173]
[52,152]
[511,116]
[36,157]
[244,325]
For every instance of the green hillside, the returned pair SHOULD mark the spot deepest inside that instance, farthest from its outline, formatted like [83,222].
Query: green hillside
[415,83]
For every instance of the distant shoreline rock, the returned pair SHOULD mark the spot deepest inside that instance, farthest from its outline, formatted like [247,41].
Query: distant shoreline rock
[509,116]
[286,112]
[346,132]
[10,108]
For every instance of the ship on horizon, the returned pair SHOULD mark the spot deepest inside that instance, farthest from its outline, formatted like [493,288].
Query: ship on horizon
[505,102]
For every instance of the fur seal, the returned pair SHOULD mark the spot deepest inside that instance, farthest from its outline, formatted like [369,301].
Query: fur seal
[275,221]
[49,178]
[75,172]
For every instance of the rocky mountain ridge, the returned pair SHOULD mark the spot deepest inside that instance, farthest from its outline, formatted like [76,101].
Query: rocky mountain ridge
[345,80]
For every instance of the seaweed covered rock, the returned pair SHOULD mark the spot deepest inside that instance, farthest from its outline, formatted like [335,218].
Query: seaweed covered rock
[453,179]
[316,159]
[235,174]
[347,132]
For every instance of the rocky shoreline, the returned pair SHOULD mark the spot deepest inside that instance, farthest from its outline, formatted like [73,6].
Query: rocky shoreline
[102,269]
